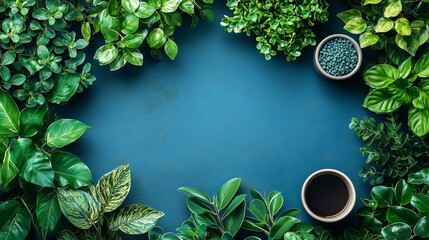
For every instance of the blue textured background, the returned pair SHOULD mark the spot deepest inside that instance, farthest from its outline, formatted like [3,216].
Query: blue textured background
[220,111]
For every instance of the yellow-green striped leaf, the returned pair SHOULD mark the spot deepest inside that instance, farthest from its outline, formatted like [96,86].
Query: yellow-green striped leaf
[79,207]
[134,219]
[9,116]
[113,188]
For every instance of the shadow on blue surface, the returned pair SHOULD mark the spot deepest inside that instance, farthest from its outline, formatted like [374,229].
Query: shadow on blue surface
[220,111]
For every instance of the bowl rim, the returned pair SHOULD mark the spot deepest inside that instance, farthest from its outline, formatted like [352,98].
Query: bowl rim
[356,47]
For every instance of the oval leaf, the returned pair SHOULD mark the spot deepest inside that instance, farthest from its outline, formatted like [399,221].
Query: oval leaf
[235,219]
[134,219]
[420,177]
[36,168]
[421,202]
[195,192]
[32,120]
[9,115]
[113,187]
[63,132]
[281,226]
[380,76]
[69,170]
[227,192]
[65,86]
[258,209]
[396,231]
[403,192]
[356,26]
[422,66]
[397,214]
[381,101]
[14,220]
[79,207]
[422,227]
[171,49]
[418,121]
[48,210]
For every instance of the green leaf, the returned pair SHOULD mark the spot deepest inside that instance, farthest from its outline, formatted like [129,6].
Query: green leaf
[130,5]
[195,192]
[422,227]
[14,221]
[48,210]
[380,76]
[235,219]
[356,26]
[227,192]
[383,195]
[408,43]
[420,177]
[397,231]
[171,49]
[69,170]
[20,149]
[43,52]
[18,79]
[86,31]
[366,2]
[421,68]
[405,68]
[133,56]
[259,210]
[8,170]
[234,204]
[134,40]
[197,207]
[227,236]
[130,24]
[63,132]
[381,101]
[383,25]
[32,120]
[66,235]
[156,38]
[145,10]
[421,202]
[169,6]
[113,187]
[9,115]
[79,207]
[281,226]
[275,202]
[418,121]
[393,9]
[8,58]
[109,35]
[422,100]
[403,192]
[5,73]
[348,15]
[65,86]
[208,14]
[134,219]
[291,236]
[106,54]
[397,214]
[368,39]
[36,168]
[118,62]
[187,6]
[402,27]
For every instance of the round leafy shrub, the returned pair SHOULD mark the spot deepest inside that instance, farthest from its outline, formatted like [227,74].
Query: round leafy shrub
[279,26]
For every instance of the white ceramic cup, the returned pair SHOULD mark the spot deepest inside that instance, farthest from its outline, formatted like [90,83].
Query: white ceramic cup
[350,201]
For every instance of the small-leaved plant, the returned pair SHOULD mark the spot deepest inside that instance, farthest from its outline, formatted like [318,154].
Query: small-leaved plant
[127,26]
[225,215]
[389,24]
[279,26]
[398,212]
[405,85]
[391,152]
[41,56]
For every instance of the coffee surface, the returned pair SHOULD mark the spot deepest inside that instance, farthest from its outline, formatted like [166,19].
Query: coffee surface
[326,195]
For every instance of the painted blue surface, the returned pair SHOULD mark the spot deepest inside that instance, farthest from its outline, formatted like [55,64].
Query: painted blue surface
[220,111]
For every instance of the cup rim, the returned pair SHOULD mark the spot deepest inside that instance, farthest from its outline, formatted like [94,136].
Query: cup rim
[356,47]
[350,203]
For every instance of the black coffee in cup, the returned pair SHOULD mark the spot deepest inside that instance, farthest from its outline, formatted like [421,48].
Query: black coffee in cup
[326,195]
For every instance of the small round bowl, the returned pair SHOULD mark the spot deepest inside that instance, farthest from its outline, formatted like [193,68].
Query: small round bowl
[326,74]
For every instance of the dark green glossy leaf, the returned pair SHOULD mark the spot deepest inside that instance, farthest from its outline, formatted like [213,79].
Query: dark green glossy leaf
[79,207]
[134,219]
[383,195]
[208,14]
[65,86]
[63,132]
[134,40]
[397,231]
[418,121]
[133,56]
[227,192]
[403,192]
[420,177]
[422,66]
[48,210]
[281,226]
[37,168]
[9,115]
[8,170]
[421,202]
[234,204]
[198,207]
[32,120]
[14,220]
[259,210]
[380,76]
[382,101]
[397,214]
[422,227]
[69,170]
[113,187]
[275,202]
[195,192]
[235,219]
[106,54]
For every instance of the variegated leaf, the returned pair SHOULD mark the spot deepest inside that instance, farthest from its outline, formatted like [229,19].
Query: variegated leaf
[79,207]
[134,219]
[66,235]
[113,188]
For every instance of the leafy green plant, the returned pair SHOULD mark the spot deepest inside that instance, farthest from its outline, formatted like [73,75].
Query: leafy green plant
[279,26]
[389,24]
[406,85]
[94,211]
[391,152]
[224,215]
[399,212]
[40,54]
[127,25]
